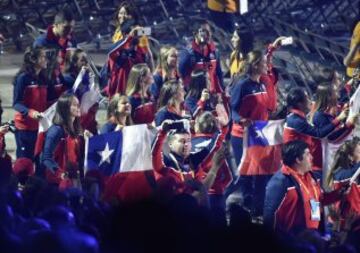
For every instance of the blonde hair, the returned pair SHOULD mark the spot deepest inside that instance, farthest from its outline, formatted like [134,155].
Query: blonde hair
[163,66]
[252,58]
[136,75]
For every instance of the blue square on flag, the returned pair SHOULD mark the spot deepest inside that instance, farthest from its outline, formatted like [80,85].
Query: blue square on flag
[104,153]
[256,136]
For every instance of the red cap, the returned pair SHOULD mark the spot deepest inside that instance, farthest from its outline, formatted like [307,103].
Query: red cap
[23,165]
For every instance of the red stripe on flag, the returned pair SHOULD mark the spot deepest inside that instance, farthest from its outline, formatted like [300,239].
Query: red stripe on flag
[261,160]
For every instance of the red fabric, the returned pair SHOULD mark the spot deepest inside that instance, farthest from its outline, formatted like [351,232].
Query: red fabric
[254,107]
[223,177]
[160,169]
[210,67]
[290,213]
[310,189]
[144,113]
[129,186]
[119,76]
[67,155]
[62,43]
[2,143]
[88,120]
[351,202]
[35,98]
[259,160]
[23,165]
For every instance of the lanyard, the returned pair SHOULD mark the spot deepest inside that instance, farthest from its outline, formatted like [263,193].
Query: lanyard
[301,183]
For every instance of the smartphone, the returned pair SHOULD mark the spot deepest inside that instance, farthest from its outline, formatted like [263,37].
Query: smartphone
[287,41]
[144,31]
[179,125]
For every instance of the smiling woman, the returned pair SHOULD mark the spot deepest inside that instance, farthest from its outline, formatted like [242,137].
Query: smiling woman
[62,154]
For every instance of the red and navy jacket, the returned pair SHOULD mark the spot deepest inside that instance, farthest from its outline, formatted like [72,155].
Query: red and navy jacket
[196,106]
[121,58]
[351,201]
[253,100]
[250,100]
[287,207]
[169,167]
[321,120]
[298,128]
[206,59]
[142,110]
[158,83]
[30,94]
[61,154]
[165,113]
[50,40]
[203,148]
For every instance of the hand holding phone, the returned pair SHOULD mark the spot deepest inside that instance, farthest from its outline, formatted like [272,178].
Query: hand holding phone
[143,31]
[287,41]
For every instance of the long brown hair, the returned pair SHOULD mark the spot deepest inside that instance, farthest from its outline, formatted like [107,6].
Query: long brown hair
[343,158]
[167,93]
[63,115]
[136,75]
[31,57]
[324,96]
[130,9]
[237,53]
[113,109]
[163,64]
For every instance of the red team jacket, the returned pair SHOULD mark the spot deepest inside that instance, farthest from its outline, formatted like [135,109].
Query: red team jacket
[120,64]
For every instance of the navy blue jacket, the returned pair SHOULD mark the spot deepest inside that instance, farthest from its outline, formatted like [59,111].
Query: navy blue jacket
[53,136]
[164,114]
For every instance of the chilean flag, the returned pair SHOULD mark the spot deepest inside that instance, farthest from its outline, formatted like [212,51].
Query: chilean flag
[88,94]
[124,159]
[85,90]
[262,148]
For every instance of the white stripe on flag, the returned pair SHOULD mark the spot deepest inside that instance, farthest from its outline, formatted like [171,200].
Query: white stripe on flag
[136,148]
[46,122]
[274,131]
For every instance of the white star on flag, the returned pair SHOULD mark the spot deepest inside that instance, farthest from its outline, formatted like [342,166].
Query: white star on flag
[259,134]
[105,154]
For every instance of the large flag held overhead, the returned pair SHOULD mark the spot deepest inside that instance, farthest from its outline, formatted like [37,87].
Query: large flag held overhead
[124,159]
[262,148]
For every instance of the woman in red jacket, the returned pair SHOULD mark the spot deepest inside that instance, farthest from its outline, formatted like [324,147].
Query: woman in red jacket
[63,151]
[30,100]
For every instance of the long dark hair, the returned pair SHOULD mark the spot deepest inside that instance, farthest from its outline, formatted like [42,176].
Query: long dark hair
[31,57]
[343,158]
[63,115]
[112,111]
[167,93]
[130,9]
[197,84]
